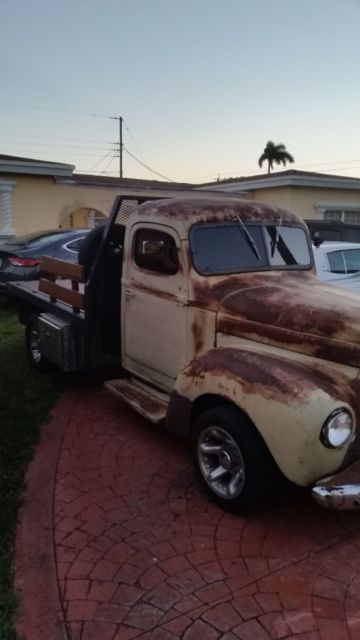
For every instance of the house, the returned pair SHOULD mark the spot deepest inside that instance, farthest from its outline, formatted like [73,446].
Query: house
[37,195]
[310,195]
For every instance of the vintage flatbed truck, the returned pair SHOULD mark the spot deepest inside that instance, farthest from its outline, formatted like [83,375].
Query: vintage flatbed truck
[223,333]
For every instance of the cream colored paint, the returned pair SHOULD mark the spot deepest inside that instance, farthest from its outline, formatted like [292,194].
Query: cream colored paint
[82,217]
[303,200]
[154,317]
[290,430]
[40,203]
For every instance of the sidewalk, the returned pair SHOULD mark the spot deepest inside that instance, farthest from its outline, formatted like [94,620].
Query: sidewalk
[117,542]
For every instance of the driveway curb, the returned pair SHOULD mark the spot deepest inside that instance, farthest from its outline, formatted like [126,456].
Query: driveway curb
[36,582]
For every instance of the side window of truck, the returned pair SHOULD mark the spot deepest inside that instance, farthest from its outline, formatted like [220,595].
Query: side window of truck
[156,251]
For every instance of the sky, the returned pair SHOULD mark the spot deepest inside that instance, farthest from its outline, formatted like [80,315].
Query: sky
[202,85]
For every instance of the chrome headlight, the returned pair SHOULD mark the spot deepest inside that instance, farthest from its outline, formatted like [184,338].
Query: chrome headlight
[337,429]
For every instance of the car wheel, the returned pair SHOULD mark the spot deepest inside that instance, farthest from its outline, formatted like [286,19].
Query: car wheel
[32,342]
[232,461]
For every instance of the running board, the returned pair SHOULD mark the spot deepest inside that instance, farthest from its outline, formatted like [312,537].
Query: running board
[149,402]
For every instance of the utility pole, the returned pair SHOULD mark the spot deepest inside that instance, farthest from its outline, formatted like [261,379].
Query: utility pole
[120,148]
[119,118]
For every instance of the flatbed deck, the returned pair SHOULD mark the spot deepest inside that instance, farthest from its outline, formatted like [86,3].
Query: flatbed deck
[27,292]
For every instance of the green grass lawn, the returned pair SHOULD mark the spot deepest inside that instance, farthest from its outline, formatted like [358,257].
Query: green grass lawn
[26,398]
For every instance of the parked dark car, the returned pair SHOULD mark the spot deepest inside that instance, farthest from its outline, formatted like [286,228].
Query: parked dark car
[20,256]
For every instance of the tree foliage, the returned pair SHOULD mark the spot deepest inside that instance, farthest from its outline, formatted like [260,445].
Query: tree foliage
[275,153]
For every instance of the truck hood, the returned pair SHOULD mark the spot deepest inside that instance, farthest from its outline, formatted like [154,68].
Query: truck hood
[297,313]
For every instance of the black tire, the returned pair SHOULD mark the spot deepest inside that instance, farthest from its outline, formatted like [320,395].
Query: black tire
[252,472]
[89,248]
[35,357]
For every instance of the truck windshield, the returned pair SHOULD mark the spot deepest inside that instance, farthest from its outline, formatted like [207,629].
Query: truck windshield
[224,248]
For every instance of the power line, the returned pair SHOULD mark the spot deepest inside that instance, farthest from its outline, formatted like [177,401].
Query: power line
[134,141]
[147,167]
[325,164]
[91,115]
[99,161]
[54,146]
[37,108]
[26,135]
[108,164]
[66,153]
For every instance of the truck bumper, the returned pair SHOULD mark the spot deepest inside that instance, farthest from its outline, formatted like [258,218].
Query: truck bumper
[341,491]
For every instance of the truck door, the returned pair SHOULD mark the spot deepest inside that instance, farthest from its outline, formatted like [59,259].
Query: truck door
[154,305]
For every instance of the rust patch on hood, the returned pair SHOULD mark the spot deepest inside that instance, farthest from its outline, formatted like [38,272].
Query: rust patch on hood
[306,316]
[271,377]
[210,291]
[299,306]
[292,310]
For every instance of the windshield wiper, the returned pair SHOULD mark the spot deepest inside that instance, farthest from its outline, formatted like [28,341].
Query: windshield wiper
[276,239]
[277,242]
[250,240]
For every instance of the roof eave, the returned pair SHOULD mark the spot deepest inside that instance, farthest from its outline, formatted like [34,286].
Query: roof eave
[271,182]
[37,168]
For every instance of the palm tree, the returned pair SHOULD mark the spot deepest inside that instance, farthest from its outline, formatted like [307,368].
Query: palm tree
[275,153]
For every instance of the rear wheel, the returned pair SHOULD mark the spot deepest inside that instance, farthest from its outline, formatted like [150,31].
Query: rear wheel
[32,342]
[232,461]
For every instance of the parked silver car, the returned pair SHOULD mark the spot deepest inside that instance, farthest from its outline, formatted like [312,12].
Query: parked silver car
[338,263]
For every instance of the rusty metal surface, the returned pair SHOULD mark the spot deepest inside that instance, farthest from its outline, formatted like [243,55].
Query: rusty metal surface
[209,210]
[181,214]
[287,398]
[272,377]
[145,401]
[295,352]
[293,310]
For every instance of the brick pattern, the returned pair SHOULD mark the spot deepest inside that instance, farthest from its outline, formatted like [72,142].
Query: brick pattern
[141,553]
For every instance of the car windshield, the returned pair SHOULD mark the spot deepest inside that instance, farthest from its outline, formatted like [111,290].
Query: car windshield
[225,248]
[37,240]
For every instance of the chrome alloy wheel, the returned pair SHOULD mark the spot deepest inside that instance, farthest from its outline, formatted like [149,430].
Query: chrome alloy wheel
[221,462]
[35,345]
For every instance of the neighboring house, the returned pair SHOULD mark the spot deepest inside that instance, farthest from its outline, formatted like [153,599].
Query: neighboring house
[310,195]
[36,194]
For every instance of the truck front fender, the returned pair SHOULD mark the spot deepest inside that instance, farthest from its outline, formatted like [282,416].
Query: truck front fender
[288,402]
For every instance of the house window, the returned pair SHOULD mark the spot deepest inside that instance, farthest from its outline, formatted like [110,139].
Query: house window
[349,216]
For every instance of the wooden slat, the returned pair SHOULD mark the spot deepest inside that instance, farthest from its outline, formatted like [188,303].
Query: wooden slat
[55,291]
[62,268]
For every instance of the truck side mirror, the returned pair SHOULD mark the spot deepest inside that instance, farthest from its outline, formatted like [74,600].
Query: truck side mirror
[317,239]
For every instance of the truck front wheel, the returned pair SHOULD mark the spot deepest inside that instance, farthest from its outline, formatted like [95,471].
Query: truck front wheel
[232,461]
[32,343]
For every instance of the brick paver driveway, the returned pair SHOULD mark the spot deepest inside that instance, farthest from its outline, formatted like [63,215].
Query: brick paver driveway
[141,553]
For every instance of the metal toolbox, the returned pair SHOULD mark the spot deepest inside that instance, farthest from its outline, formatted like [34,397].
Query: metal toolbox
[57,342]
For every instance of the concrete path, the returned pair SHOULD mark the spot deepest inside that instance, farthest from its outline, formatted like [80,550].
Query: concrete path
[117,542]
